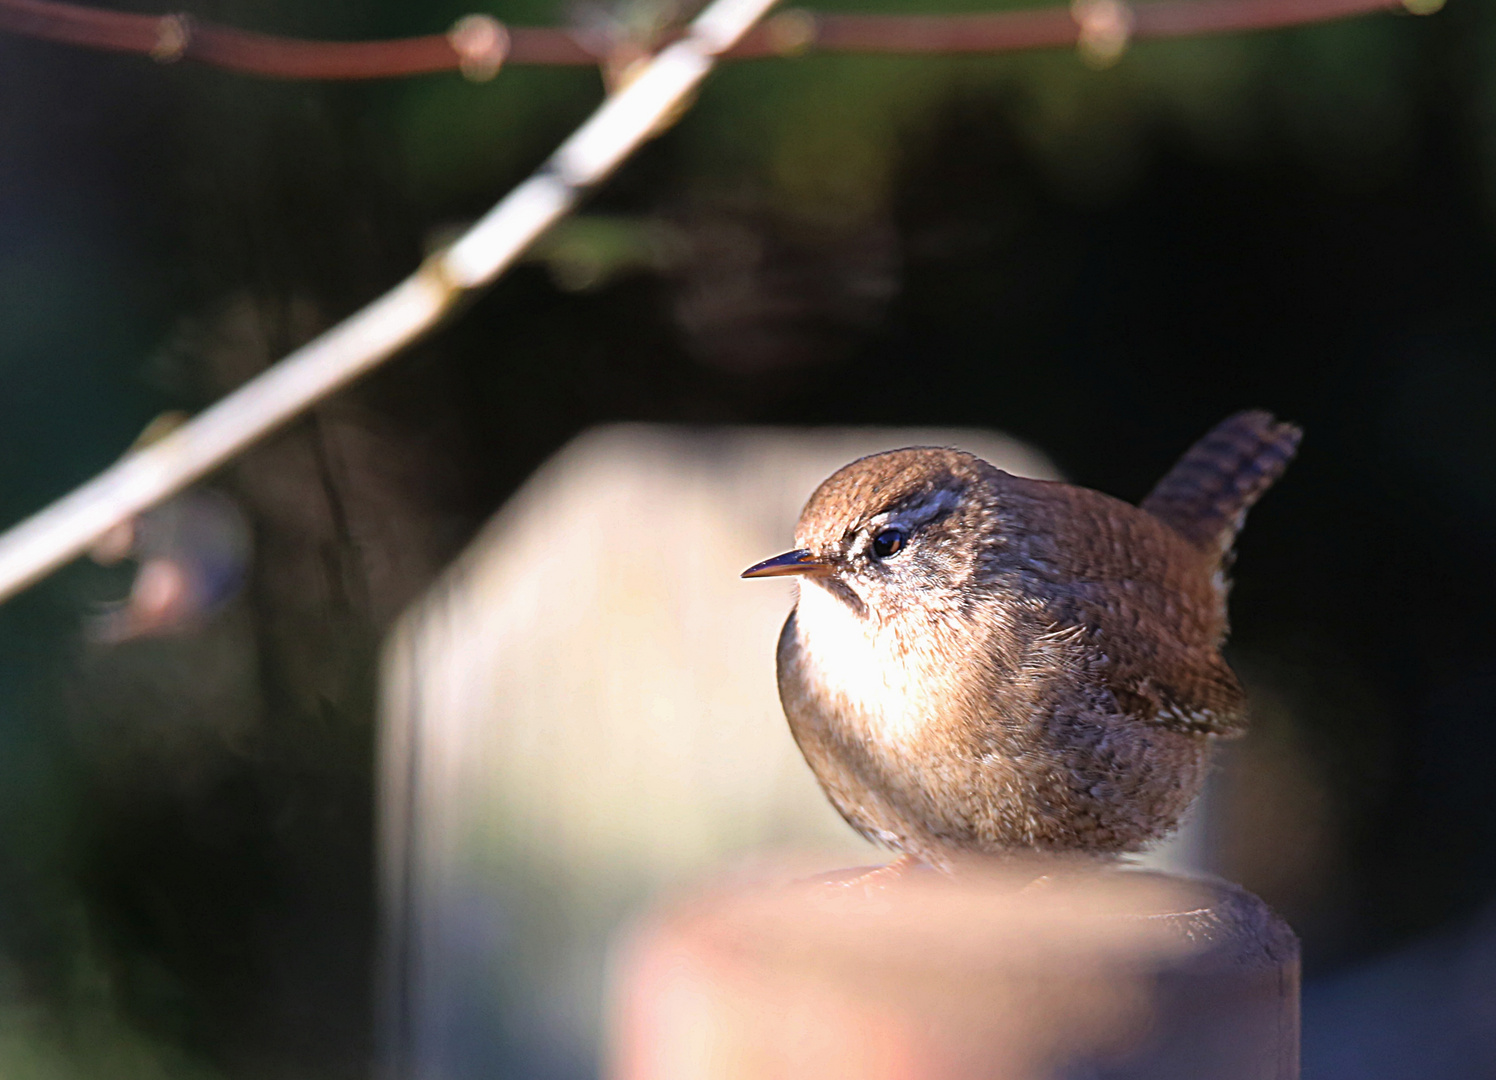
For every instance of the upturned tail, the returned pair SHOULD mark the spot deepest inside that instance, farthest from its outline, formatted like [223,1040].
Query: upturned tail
[1205,498]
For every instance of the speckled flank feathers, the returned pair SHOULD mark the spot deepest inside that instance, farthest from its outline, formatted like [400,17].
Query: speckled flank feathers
[981,663]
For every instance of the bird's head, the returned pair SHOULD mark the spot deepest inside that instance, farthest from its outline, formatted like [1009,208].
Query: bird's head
[898,531]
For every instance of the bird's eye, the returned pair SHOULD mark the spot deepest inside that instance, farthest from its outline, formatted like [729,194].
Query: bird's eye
[889,543]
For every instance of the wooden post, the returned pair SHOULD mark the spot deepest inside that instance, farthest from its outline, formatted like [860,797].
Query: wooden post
[1113,974]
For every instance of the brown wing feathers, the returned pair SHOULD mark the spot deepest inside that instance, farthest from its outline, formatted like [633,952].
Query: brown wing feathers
[1206,496]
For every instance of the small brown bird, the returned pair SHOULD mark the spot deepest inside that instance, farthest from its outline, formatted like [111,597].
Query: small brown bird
[983,664]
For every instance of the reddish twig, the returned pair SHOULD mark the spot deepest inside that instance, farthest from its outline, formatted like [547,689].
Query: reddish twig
[1039,28]
[172,37]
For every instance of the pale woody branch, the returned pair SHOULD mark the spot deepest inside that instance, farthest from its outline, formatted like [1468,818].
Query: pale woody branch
[145,477]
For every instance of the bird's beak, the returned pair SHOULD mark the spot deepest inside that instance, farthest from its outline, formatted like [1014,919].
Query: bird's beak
[799,562]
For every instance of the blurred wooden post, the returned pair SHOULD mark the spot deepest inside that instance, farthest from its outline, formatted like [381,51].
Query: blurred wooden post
[1112,975]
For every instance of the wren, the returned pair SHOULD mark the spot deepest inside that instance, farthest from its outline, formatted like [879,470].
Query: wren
[983,664]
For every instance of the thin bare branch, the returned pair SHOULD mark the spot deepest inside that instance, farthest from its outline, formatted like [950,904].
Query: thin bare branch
[174,37]
[352,348]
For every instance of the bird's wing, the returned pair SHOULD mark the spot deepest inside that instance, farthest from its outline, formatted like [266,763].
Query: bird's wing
[1178,682]
[1194,693]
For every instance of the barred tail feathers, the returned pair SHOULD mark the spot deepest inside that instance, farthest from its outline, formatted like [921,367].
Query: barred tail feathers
[1206,496]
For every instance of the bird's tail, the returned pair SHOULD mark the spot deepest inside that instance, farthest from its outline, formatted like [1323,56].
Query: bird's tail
[1206,496]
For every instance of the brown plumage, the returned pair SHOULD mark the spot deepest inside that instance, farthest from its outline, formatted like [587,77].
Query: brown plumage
[981,663]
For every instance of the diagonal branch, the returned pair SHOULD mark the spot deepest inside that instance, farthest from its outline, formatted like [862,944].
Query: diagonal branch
[358,344]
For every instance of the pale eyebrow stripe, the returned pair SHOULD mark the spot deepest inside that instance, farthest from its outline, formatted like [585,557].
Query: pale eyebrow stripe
[938,503]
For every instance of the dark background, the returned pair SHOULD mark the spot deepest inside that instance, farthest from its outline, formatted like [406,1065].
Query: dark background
[1103,263]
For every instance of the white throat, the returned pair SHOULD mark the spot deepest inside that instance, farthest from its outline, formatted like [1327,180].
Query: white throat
[879,688]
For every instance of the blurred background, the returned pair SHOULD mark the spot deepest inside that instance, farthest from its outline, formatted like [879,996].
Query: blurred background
[1098,263]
